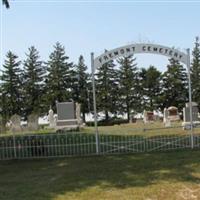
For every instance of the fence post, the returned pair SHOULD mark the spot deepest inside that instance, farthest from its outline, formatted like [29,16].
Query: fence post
[14,145]
[94,104]
[146,144]
[190,97]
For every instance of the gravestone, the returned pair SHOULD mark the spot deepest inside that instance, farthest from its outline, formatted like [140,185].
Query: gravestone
[33,122]
[145,116]
[66,111]
[186,112]
[78,113]
[166,120]
[51,119]
[173,114]
[148,116]
[132,119]
[165,115]
[186,116]
[15,124]
[68,115]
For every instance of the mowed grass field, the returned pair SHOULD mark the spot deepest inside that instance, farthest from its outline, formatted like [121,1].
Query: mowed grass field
[155,176]
[139,128]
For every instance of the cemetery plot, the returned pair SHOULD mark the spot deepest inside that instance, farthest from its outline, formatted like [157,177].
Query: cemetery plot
[147,135]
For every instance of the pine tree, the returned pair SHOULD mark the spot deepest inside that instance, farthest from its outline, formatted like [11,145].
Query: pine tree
[151,87]
[33,82]
[3,111]
[11,86]
[90,94]
[107,87]
[174,85]
[195,72]
[80,86]
[59,78]
[128,85]
[6,3]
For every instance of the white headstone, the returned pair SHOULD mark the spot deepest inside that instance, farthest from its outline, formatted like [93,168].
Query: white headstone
[78,113]
[33,122]
[168,123]
[51,119]
[165,115]
[145,116]
[15,123]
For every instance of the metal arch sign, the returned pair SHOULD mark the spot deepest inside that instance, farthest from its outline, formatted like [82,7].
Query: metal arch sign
[136,49]
[140,48]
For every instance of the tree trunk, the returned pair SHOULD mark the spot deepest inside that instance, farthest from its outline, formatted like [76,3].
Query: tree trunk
[128,112]
[84,117]
[128,108]
[106,115]
[151,104]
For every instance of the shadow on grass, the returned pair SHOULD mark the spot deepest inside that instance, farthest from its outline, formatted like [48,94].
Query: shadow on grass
[46,179]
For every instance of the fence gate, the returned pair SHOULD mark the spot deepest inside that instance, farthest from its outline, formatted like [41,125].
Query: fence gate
[121,144]
[164,143]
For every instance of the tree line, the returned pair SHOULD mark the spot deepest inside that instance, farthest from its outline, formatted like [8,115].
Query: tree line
[33,85]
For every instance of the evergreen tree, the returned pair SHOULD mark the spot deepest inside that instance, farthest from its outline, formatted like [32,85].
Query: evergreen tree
[90,94]
[195,72]
[129,85]
[151,87]
[11,86]
[3,111]
[174,85]
[107,87]
[6,3]
[33,82]
[80,86]
[59,78]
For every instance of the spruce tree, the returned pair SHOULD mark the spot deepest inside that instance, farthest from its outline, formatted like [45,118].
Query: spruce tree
[11,86]
[90,94]
[195,72]
[59,78]
[33,82]
[150,87]
[175,84]
[80,86]
[129,85]
[107,87]
[3,111]
[6,3]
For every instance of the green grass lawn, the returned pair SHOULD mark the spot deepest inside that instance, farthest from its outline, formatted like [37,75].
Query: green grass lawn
[155,176]
[139,128]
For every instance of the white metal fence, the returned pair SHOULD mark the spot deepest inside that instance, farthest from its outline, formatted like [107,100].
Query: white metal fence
[76,144]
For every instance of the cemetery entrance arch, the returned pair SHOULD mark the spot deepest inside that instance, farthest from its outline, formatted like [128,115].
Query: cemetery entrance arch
[139,48]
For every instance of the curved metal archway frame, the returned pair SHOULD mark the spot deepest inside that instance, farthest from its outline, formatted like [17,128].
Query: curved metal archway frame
[139,48]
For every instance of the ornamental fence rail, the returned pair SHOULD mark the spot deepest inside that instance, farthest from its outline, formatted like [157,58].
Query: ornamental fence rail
[82,144]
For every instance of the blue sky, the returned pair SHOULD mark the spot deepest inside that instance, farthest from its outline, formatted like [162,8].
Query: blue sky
[84,27]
